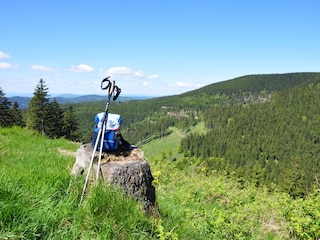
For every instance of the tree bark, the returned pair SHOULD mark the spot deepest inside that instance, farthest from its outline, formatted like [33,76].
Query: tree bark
[127,169]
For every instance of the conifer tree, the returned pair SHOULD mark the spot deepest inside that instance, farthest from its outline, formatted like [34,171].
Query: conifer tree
[5,114]
[54,124]
[70,125]
[16,113]
[38,108]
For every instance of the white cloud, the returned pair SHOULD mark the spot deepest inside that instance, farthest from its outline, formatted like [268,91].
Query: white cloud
[181,84]
[4,55]
[154,76]
[7,65]
[138,74]
[120,71]
[40,68]
[127,73]
[81,68]
[145,83]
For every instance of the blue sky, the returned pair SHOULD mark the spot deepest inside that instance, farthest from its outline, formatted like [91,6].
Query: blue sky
[152,47]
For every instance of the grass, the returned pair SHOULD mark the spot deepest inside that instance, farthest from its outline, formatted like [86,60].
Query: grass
[39,199]
[169,145]
[196,206]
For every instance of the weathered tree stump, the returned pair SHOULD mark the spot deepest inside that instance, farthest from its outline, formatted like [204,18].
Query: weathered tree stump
[126,169]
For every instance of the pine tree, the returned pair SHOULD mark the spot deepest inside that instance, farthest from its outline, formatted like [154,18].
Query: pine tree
[16,113]
[38,108]
[5,115]
[70,125]
[54,123]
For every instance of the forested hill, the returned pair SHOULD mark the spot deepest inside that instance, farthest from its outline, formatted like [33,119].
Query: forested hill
[145,118]
[257,83]
[274,141]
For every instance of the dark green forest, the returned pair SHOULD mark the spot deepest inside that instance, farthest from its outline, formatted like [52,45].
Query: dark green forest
[151,117]
[276,142]
[43,115]
[261,128]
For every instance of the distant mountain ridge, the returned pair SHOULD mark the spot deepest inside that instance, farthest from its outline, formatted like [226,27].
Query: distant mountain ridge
[240,86]
[72,98]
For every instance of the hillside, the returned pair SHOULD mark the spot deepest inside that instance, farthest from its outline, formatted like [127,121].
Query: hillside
[39,199]
[272,144]
[258,83]
[143,118]
[228,162]
[268,123]
[261,122]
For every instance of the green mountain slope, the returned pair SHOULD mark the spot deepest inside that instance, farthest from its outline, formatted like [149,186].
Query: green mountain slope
[275,142]
[223,169]
[257,83]
[142,118]
[270,137]
[39,200]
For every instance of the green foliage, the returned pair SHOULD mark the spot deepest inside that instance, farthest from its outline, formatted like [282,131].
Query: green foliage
[195,205]
[5,117]
[49,118]
[269,143]
[239,172]
[70,126]
[38,116]
[253,86]
[17,117]
[141,119]
[9,115]
[55,121]
[39,199]
[263,141]
[151,117]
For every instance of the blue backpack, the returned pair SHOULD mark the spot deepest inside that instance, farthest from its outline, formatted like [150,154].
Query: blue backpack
[112,134]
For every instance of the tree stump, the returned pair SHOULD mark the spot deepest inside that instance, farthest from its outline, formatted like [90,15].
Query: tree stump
[126,169]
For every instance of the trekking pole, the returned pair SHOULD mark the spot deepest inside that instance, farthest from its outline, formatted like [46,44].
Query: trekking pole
[90,166]
[112,88]
[104,123]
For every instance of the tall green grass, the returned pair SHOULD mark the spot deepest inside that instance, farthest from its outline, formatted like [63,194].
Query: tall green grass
[40,200]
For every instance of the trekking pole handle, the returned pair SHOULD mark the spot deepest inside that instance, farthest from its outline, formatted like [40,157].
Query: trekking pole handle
[111,89]
[107,85]
[110,84]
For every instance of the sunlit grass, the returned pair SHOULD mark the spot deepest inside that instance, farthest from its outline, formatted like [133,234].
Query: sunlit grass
[40,200]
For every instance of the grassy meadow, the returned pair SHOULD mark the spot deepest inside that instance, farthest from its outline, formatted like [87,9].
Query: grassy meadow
[40,200]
